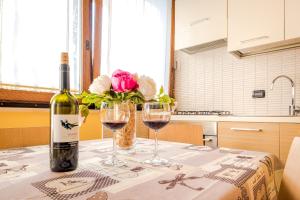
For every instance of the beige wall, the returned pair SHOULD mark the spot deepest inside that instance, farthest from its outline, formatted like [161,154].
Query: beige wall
[30,126]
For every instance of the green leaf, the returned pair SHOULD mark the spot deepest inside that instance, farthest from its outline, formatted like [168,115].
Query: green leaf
[88,99]
[164,98]
[84,110]
[161,91]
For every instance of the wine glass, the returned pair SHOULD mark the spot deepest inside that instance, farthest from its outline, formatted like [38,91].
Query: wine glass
[155,116]
[114,116]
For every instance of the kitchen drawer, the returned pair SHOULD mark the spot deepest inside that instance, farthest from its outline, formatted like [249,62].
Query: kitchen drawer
[180,132]
[287,134]
[249,136]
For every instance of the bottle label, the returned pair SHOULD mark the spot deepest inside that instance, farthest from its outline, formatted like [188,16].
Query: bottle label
[65,128]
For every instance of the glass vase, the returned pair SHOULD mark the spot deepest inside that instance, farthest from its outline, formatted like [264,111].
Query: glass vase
[125,138]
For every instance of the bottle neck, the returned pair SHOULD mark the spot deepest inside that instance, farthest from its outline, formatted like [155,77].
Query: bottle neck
[64,78]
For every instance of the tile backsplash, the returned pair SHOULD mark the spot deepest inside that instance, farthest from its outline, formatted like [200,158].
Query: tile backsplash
[216,80]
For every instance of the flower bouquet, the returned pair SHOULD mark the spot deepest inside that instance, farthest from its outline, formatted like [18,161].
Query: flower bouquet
[123,87]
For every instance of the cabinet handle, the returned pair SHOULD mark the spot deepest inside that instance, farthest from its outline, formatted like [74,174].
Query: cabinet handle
[247,129]
[198,21]
[207,140]
[255,39]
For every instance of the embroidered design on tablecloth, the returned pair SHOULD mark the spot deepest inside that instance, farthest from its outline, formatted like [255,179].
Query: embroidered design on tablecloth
[269,164]
[179,179]
[14,153]
[3,165]
[199,148]
[260,189]
[137,169]
[13,170]
[74,185]
[127,171]
[231,151]
[231,174]
[244,194]
[102,150]
[99,196]
[267,161]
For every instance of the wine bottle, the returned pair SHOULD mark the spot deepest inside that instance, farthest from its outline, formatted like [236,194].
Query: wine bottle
[64,136]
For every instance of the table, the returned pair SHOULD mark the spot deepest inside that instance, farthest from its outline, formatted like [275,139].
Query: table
[198,172]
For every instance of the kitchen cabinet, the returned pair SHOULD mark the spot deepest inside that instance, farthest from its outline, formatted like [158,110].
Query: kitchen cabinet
[287,133]
[180,132]
[249,136]
[292,17]
[252,23]
[199,22]
[275,138]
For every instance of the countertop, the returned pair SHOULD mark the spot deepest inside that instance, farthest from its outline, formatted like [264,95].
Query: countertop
[230,118]
[192,118]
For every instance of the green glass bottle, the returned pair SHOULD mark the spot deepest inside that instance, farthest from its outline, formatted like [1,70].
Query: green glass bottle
[64,134]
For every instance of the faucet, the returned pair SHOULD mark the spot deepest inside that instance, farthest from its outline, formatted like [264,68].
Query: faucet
[292,107]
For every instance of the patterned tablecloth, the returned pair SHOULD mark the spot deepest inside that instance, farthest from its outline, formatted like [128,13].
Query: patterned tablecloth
[198,172]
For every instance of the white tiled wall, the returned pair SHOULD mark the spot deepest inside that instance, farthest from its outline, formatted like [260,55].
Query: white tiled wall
[216,80]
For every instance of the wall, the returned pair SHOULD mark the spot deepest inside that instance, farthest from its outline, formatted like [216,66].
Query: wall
[29,126]
[216,80]
[20,127]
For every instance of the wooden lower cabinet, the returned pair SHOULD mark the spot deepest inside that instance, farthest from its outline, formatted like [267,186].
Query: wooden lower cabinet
[275,138]
[287,133]
[249,136]
[180,132]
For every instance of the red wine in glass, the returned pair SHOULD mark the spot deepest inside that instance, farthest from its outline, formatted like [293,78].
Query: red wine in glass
[114,125]
[114,116]
[156,115]
[156,124]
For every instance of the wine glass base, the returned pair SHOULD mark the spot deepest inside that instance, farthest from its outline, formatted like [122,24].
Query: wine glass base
[126,151]
[157,162]
[110,162]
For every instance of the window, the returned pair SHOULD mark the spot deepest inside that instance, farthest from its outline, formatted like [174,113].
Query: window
[32,35]
[136,37]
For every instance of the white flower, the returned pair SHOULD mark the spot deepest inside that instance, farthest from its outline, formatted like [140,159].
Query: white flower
[135,76]
[100,85]
[147,87]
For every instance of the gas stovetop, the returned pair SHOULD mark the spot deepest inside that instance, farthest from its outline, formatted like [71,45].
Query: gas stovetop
[213,112]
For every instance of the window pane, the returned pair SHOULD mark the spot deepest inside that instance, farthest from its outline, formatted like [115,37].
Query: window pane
[32,35]
[136,37]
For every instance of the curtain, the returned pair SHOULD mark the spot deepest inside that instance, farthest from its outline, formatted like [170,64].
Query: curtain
[136,38]
[33,33]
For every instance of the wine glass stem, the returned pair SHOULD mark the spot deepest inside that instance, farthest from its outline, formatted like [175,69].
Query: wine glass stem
[114,146]
[156,144]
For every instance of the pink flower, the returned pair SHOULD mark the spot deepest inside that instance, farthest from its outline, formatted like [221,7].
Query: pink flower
[123,81]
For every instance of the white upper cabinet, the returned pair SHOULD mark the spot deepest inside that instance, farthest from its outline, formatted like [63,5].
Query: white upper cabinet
[253,23]
[292,19]
[199,21]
